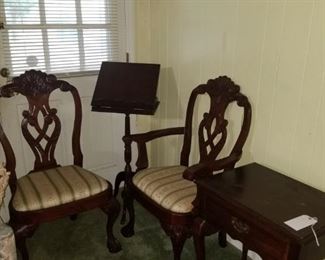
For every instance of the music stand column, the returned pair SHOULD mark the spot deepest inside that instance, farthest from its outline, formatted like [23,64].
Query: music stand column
[121,176]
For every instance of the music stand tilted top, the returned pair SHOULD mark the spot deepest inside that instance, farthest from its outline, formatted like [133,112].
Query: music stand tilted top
[127,88]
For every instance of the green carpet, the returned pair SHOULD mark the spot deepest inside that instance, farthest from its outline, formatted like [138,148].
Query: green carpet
[85,238]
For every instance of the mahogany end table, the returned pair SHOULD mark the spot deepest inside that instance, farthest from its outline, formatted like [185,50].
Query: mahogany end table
[251,204]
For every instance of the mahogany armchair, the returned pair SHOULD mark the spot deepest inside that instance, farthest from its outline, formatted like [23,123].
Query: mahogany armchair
[169,192]
[51,191]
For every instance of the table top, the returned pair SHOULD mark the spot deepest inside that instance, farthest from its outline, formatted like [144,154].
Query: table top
[272,196]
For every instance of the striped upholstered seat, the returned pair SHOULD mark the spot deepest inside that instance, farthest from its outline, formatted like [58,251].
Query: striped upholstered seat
[167,187]
[57,186]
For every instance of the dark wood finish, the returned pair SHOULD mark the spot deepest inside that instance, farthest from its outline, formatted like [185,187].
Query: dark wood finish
[37,87]
[121,176]
[124,87]
[212,136]
[127,88]
[252,202]
[137,111]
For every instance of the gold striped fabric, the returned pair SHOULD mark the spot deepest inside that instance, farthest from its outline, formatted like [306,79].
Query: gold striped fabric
[167,187]
[56,186]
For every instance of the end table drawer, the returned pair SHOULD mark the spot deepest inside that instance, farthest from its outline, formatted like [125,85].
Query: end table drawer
[248,231]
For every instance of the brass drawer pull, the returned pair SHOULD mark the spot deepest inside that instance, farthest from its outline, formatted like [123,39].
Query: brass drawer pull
[239,226]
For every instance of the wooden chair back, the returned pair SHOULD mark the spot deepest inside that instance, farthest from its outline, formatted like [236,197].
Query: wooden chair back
[212,130]
[41,126]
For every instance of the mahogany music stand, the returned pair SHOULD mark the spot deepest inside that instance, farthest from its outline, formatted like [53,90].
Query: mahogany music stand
[128,88]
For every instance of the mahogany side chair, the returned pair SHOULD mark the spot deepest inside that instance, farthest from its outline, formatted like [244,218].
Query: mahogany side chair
[51,191]
[169,192]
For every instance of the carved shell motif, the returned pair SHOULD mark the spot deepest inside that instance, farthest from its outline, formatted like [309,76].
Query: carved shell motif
[33,83]
[223,87]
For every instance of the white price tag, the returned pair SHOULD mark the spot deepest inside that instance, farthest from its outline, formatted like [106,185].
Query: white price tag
[301,222]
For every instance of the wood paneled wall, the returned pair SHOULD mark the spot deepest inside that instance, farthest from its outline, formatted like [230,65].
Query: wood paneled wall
[275,50]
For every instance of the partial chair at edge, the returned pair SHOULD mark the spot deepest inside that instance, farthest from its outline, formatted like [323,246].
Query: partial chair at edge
[169,192]
[51,191]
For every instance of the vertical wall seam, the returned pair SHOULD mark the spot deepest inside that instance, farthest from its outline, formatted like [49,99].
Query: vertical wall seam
[321,105]
[293,136]
[260,73]
[180,122]
[165,125]
[234,52]
[276,82]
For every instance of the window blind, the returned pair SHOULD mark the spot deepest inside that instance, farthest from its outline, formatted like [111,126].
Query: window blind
[61,36]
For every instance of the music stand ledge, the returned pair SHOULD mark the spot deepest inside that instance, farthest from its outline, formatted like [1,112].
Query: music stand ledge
[127,88]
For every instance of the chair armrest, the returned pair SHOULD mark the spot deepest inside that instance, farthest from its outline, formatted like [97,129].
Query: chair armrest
[143,138]
[206,169]
[148,136]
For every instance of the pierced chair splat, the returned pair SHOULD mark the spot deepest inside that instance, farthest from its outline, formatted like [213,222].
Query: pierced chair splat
[169,192]
[51,191]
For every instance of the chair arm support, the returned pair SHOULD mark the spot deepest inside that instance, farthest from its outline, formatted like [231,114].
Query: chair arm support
[148,136]
[206,169]
[143,138]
